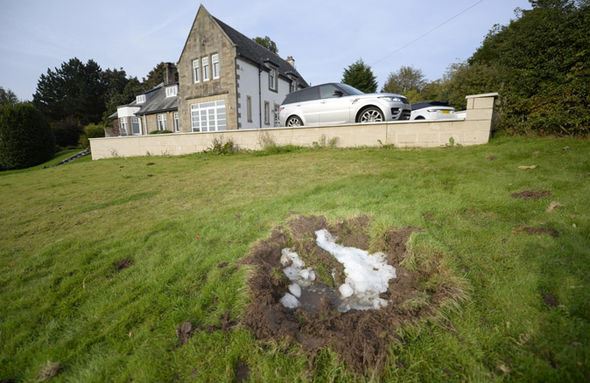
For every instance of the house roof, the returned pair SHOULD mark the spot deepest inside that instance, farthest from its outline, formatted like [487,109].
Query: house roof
[247,48]
[156,101]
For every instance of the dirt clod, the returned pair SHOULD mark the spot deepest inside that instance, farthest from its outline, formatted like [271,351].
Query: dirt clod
[48,371]
[221,265]
[241,371]
[184,332]
[123,264]
[491,157]
[150,163]
[538,230]
[531,194]
[360,337]
[550,300]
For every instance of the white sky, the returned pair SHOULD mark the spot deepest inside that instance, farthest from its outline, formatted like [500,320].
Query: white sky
[323,36]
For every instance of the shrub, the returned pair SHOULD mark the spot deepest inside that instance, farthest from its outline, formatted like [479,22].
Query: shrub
[221,146]
[67,132]
[269,146]
[91,131]
[160,132]
[25,137]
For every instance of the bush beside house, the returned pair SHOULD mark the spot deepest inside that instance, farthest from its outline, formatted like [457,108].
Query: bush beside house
[91,131]
[25,137]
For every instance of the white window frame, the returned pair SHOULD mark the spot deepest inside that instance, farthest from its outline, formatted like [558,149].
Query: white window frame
[123,126]
[275,115]
[205,65]
[266,113]
[133,122]
[140,99]
[171,91]
[215,67]
[273,79]
[161,121]
[209,116]
[196,71]
[176,122]
[249,108]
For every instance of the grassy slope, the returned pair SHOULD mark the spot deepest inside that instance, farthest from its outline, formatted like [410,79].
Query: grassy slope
[63,228]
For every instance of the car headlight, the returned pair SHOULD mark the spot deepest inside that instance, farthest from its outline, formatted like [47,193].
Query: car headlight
[394,99]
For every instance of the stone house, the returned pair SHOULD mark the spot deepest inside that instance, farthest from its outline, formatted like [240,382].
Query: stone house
[227,81]
[156,109]
[224,80]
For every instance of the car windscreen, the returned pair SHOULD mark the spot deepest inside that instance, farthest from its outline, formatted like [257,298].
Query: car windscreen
[349,90]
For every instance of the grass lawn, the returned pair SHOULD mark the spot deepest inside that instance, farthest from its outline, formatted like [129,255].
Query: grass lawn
[526,316]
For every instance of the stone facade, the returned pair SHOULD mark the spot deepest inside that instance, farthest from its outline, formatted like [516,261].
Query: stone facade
[149,122]
[207,38]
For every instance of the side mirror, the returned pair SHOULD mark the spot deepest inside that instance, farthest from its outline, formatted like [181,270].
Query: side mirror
[338,93]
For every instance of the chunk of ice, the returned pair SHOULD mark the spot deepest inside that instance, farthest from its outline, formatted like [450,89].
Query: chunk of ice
[289,301]
[367,275]
[291,272]
[295,289]
[345,290]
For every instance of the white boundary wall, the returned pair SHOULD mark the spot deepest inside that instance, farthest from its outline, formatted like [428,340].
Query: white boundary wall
[474,130]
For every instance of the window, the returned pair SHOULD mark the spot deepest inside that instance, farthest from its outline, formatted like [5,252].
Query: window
[196,71]
[205,63]
[292,86]
[215,65]
[162,121]
[176,122]
[308,94]
[140,99]
[275,112]
[328,91]
[272,79]
[266,113]
[208,116]
[171,91]
[135,126]
[249,108]
[123,126]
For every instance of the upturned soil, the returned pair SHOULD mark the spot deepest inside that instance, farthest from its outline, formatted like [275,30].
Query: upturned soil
[361,338]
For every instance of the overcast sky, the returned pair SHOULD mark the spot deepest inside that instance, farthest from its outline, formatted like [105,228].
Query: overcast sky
[323,36]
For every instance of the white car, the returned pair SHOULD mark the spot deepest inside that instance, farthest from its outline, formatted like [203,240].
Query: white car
[333,104]
[432,110]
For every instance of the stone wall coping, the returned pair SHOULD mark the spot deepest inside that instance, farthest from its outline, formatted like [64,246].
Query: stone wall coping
[483,95]
[233,131]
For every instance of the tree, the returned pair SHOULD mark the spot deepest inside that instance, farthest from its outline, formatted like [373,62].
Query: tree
[76,90]
[360,76]
[541,65]
[267,43]
[7,96]
[404,80]
[154,77]
[25,137]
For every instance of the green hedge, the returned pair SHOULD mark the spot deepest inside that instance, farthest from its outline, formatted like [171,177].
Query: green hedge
[25,137]
[160,132]
[91,131]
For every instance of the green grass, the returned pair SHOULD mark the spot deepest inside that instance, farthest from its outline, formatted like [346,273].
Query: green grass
[64,228]
[57,158]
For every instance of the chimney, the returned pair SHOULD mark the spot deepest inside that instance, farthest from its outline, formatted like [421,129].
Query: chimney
[291,61]
[170,74]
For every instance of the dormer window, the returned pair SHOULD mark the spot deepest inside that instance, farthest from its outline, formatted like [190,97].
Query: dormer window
[140,99]
[171,91]
[272,79]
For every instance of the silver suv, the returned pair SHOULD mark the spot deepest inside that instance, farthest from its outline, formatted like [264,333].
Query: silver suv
[332,104]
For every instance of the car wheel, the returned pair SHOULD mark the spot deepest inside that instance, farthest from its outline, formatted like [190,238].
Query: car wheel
[371,114]
[420,118]
[293,122]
